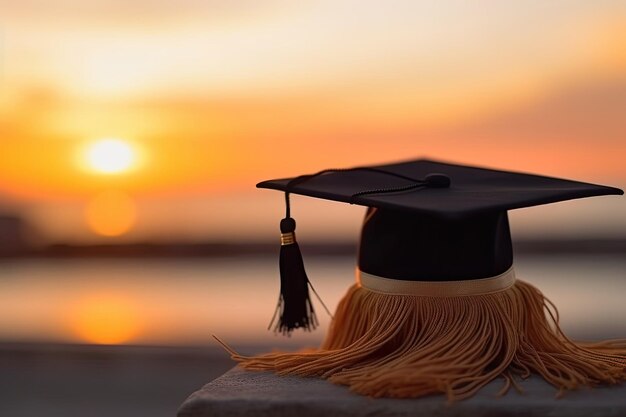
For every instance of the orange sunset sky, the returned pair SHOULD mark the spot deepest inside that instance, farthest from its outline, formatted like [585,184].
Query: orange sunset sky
[199,100]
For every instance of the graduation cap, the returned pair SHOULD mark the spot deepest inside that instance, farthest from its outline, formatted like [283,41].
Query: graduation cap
[436,306]
[428,221]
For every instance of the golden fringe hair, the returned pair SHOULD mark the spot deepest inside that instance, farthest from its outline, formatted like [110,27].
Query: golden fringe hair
[410,346]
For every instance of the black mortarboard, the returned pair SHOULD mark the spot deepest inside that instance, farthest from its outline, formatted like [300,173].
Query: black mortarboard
[428,221]
[437,188]
[436,307]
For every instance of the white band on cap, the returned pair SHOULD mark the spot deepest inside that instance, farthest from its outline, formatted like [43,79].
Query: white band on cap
[480,286]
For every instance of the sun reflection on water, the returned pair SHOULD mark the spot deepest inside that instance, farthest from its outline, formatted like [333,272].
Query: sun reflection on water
[105,319]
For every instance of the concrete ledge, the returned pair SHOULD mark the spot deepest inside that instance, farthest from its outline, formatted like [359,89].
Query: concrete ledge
[243,393]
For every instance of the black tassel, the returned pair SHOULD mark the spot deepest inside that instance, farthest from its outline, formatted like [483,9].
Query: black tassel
[294,309]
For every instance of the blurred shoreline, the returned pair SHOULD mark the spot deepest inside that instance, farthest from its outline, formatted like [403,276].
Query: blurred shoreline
[223,249]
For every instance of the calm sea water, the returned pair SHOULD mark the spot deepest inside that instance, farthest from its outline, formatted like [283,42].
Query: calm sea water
[182,302]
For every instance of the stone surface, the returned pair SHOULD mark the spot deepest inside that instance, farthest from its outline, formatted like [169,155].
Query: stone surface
[244,393]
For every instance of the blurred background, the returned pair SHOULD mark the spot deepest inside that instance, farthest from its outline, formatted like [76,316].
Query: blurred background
[132,135]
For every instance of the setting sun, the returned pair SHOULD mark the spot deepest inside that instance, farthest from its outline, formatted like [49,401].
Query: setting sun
[111,156]
[111,213]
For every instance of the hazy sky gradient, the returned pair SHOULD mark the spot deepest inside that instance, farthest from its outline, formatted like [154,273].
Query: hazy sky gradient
[216,96]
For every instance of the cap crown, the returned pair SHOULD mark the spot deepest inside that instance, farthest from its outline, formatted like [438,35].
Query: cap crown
[402,245]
